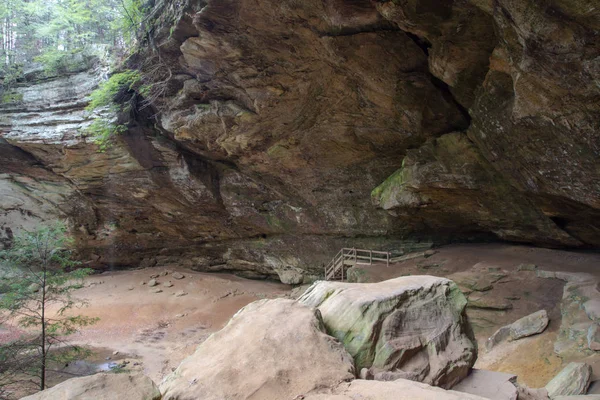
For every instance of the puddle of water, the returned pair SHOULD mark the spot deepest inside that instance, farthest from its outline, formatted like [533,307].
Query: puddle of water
[99,361]
[87,367]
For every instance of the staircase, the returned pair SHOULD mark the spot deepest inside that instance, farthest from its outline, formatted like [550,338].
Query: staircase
[351,257]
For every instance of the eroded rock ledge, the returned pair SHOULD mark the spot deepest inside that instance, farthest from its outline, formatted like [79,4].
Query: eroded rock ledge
[286,130]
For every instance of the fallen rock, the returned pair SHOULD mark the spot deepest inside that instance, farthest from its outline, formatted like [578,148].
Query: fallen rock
[180,293]
[593,337]
[490,303]
[479,278]
[154,276]
[290,275]
[527,393]
[397,390]
[152,282]
[412,326]
[365,373]
[168,284]
[429,253]
[574,379]
[178,275]
[527,267]
[527,326]
[565,276]
[271,349]
[102,386]
[489,384]
[157,290]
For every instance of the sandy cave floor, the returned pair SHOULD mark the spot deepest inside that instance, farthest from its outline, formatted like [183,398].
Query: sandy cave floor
[158,330]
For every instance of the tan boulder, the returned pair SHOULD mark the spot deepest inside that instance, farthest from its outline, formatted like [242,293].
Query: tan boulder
[271,349]
[397,390]
[103,386]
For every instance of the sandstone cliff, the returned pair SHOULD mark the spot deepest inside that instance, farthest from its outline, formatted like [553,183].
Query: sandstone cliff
[282,131]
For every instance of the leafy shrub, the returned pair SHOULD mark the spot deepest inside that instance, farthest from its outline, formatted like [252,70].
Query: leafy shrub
[111,96]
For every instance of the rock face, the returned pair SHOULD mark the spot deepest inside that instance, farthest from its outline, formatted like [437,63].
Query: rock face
[103,386]
[513,170]
[283,131]
[574,379]
[411,327]
[271,349]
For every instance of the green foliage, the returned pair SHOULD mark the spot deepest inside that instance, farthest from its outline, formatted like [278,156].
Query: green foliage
[42,276]
[103,130]
[106,93]
[10,74]
[60,62]
[109,96]
[11,97]
[52,31]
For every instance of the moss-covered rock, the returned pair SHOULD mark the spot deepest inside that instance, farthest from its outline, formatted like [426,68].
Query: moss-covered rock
[413,327]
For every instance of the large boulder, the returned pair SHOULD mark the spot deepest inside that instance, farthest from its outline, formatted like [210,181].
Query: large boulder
[271,349]
[400,389]
[412,327]
[104,386]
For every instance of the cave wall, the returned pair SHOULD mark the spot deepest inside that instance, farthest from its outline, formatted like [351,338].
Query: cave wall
[282,131]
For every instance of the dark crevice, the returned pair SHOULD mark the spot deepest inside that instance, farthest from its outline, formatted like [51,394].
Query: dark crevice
[350,31]
[442,86]
[449,97]
[423,44]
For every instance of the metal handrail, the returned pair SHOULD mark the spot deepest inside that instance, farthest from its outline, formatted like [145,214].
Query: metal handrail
[352,255]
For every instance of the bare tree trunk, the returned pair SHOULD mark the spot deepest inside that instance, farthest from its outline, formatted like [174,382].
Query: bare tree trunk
[43,344]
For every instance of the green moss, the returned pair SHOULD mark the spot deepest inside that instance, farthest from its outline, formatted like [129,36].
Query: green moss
[12,97]
[398,179]
[273,221]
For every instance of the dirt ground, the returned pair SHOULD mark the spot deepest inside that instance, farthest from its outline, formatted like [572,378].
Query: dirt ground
[157,330]
[161,329]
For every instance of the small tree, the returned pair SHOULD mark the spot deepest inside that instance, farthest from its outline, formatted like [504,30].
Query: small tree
[39,278]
